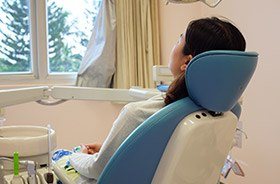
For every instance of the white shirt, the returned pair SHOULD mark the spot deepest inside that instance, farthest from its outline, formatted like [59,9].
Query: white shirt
[130,117]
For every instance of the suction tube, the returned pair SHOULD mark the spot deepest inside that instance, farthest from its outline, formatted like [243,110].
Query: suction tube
[49,178]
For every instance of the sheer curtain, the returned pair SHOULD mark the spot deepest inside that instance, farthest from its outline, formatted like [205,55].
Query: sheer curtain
[124,44]
[137,42]
[98,64]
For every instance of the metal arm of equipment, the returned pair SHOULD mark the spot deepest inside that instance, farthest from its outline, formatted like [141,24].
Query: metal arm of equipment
[210,3]
[23,95]
[102,94]
[11,97]
[42,94]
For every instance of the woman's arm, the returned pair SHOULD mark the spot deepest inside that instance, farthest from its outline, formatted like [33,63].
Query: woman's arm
[91,166]
[131,116]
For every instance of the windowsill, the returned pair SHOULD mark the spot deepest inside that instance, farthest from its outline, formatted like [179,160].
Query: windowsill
[18,81]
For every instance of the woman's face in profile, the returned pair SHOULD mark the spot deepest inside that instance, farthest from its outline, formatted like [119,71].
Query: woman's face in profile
[177,61]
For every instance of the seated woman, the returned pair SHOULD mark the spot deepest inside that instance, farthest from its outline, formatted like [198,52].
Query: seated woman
[201,35]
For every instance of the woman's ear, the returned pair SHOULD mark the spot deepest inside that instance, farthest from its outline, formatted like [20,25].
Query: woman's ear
[184,66]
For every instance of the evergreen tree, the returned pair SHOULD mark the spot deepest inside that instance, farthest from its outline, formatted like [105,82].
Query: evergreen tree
[15,52]
[60,55]
[15,45]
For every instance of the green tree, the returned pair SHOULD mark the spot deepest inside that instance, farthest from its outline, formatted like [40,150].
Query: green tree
[15,37]
[15,45]
[60,54]
[15,42]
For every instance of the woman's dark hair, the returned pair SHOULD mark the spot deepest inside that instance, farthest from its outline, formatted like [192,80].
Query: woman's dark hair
[204,35]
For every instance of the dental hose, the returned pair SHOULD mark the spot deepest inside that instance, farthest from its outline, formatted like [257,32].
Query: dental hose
[49,178]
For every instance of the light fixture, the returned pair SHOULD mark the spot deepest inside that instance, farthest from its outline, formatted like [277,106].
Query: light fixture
[211,3]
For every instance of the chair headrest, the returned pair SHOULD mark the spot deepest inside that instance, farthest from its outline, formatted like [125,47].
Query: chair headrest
[216,79]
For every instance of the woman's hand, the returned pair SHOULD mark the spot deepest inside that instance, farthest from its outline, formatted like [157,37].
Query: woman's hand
[91,148]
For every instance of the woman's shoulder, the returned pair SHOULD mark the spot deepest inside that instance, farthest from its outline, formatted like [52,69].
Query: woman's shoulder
[150,106]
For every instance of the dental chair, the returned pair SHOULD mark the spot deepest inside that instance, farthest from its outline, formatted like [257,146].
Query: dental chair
[187,141]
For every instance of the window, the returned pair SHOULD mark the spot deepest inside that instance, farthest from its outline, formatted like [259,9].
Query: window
[44,40]
[70,24]
[15,37]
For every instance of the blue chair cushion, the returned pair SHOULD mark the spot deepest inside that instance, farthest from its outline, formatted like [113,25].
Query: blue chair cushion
[216,79]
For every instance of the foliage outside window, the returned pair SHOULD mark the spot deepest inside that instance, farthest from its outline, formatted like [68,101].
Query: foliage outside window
[69,33]
[14,37]
[69,29]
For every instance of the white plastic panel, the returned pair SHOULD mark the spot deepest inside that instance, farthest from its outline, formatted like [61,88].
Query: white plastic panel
[197,150]
[10,97]
[84,93]
[162,73]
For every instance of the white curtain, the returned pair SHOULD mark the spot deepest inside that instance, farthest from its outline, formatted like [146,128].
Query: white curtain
[98,64]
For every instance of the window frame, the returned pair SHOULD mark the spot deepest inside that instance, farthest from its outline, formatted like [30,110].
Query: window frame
[39,74]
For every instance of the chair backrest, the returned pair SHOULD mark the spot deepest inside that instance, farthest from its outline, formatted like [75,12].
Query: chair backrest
[215,81]
[200,156]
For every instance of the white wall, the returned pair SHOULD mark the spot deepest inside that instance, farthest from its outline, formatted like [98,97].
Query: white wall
[75,122]
[259,22]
